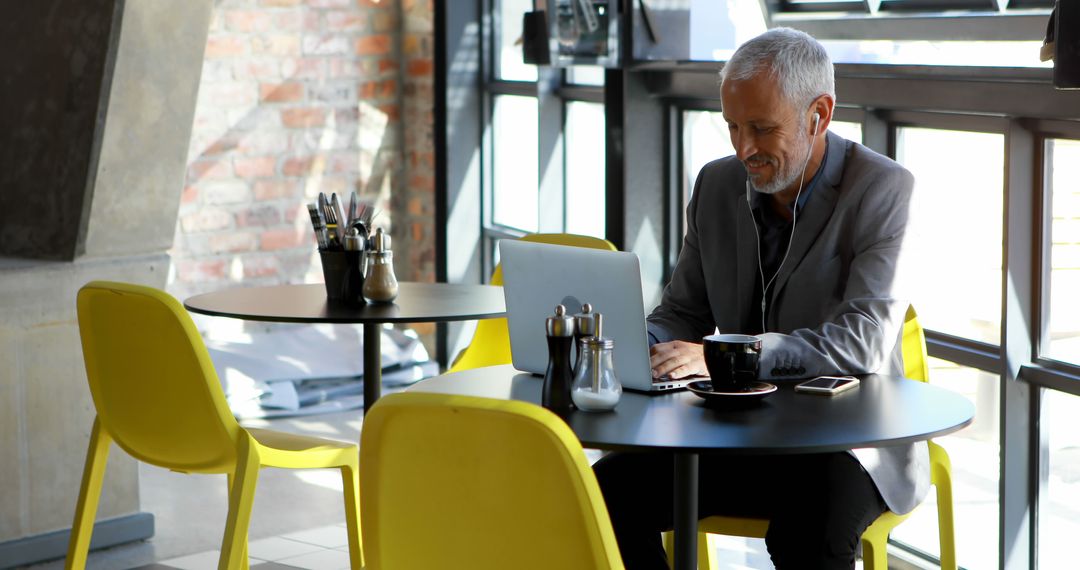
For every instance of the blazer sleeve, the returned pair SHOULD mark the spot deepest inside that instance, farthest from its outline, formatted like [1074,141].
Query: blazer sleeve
[684,312]
[860,333]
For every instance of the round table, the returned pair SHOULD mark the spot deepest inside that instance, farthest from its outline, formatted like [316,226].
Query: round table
[882,411]
[415,303]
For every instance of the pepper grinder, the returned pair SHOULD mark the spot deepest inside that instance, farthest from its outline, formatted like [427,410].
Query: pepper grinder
[380,285]
[558,377]
[584,325]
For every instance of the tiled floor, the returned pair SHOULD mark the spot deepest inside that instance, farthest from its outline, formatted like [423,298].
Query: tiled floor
[323,548]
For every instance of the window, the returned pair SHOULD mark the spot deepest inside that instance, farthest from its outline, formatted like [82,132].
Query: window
[955,230]
[585,180]
[1063,172]
[974,452]
[511,66]
[1059,504]
[516,182]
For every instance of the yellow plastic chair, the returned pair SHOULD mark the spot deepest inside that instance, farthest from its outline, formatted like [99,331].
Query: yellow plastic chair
[876,536]
[158,397]
[460,482]
[490,344]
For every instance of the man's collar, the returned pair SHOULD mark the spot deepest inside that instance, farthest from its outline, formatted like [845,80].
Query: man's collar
[829,173]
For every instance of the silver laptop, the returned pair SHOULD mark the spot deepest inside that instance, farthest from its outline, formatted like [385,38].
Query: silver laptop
[538,276]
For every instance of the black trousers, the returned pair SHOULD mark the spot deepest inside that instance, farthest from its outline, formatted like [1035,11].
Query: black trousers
[817,505]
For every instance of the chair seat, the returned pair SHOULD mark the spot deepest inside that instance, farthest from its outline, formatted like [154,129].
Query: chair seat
[283,449]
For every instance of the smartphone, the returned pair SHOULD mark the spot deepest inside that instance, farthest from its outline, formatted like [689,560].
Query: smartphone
[828,385]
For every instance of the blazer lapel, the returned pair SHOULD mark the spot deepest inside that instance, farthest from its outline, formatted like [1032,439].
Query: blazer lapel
[815,214]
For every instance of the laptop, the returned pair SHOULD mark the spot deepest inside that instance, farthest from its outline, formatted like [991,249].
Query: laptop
[538,276]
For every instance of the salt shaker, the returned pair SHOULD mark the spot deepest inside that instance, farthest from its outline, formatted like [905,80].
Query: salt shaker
[380,284]
[560,334]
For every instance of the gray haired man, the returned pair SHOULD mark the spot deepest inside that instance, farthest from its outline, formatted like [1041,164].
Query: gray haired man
[796,238]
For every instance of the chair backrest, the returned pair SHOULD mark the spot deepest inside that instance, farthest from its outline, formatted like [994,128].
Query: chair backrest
[913,345]
[490,345]
[152,381]
[464,482]
[573,240]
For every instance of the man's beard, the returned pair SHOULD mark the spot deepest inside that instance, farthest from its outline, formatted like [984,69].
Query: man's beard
[785,177]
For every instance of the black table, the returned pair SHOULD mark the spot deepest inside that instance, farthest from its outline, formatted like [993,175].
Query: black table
[415,303]
[881,411]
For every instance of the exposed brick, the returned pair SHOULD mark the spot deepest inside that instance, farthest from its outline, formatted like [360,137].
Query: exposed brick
[255,167]
[232,242]
[343,68]
[275,189]
[257,69]
[420,67]
[273,240]
[297,166]
[377,44]
[234,192]
[262,216]
[196,271]
[301,68]
[384,21]
[325,45]
[248,20]
[262,266]
[212,169]
[345,21]
[263,142]
[387,65]
[343,163]
[410,45]
[417,231]
[281,92]
[303,117]
[339,93]
[299,211]
[190,195]
[225,144]
[276,44]
[206,220]
[218,46]
[415,207]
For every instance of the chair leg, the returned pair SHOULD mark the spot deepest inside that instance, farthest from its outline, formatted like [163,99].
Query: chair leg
[669,547]
[97,454]
[241,497]
[350,479]
[705,558]
[946,529]
[874,555]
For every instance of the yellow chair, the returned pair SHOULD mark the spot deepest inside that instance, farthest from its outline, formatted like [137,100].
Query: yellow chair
[158,397]
[490,344]
[876,535]
[456,482]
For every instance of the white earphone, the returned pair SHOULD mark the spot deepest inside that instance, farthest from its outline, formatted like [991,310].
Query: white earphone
[794,216]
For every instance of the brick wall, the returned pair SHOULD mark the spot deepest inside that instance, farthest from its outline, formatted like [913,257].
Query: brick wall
[297,97]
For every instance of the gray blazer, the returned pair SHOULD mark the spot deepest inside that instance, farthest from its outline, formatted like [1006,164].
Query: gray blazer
[834,307]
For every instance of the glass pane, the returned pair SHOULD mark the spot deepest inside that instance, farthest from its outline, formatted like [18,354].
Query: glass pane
[705,138]
[974,452]
[1059,507]
[917,52]
[1064,323]
[514,192]
[511,65]
[585,179]
[954,237]
[585,75]
[850,131]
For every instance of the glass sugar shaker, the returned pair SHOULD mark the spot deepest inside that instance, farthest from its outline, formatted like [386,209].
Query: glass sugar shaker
[380,285]
[595,387]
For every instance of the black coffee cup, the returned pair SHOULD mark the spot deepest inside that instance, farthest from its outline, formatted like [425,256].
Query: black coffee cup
[732,360]
[344,276]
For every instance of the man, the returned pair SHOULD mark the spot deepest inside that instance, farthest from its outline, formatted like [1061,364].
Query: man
[797,239]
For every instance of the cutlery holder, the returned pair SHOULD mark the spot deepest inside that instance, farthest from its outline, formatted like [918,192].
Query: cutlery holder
[343,273]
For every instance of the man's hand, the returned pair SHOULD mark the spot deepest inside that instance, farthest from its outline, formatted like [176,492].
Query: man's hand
[677,359]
